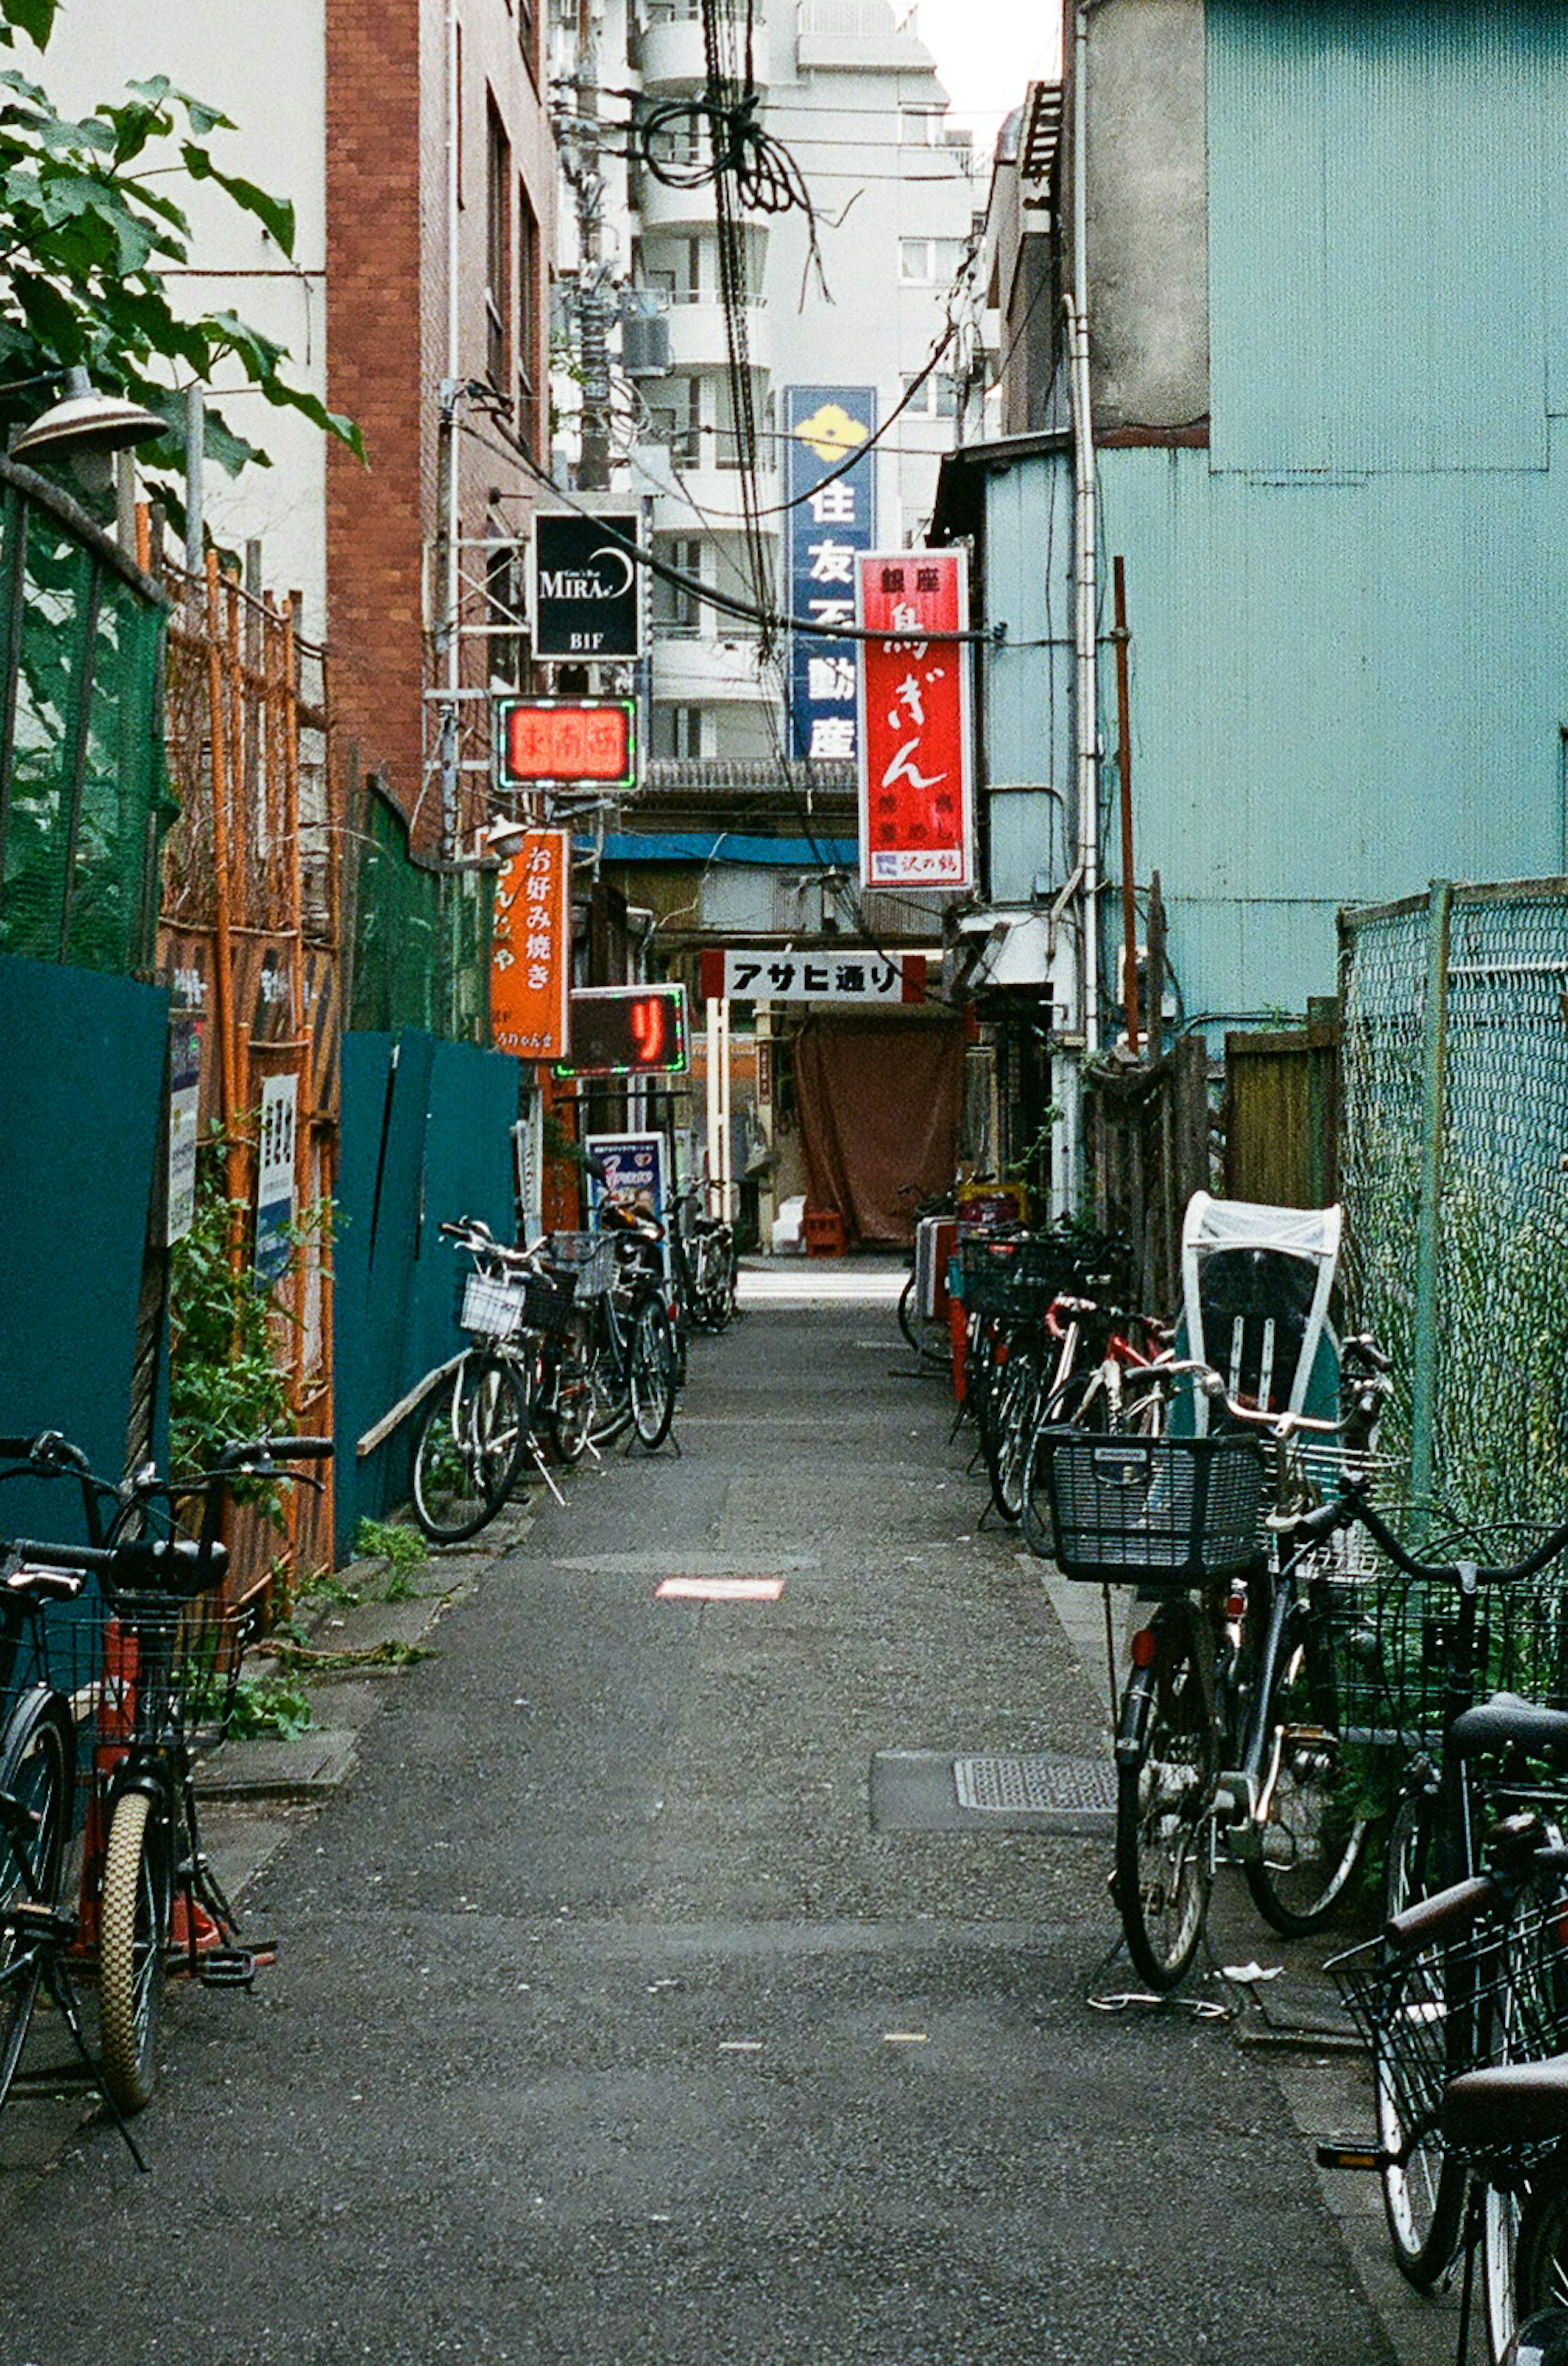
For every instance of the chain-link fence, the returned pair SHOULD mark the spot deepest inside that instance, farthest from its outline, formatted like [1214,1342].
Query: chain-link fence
[421,936]
[1455,1176]
[82,786]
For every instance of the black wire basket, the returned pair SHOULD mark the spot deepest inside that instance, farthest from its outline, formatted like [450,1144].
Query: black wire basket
[1151,1512]
[1493,1994]
[165,1651]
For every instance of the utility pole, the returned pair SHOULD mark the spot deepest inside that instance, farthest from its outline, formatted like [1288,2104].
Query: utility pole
[593,467]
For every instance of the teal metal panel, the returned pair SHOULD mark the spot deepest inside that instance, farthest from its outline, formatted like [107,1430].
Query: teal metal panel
[83,1098]
[1339,693]
[425,1137]
[386,1100]
[1379,202]
[1025,683]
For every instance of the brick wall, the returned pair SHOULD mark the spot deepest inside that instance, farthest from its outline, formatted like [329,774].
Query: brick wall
[387,345]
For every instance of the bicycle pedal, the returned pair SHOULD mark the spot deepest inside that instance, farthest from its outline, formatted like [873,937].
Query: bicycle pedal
[25,1919]
[231,1967]
[1351,2156]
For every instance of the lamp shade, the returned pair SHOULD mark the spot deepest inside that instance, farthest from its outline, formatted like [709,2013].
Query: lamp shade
[85,421]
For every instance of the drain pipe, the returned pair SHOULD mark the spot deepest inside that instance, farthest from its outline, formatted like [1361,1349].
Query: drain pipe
[1086,540]
[1067,1071]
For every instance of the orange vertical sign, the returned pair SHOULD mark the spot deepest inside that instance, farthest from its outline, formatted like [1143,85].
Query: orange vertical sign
[530,958]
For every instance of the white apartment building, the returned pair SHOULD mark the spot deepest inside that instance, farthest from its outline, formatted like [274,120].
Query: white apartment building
[853,296]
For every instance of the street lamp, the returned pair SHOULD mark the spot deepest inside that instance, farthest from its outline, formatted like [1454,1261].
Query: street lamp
[85,421]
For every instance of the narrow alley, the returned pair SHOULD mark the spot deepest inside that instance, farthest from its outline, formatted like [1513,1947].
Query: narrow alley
[607,2027]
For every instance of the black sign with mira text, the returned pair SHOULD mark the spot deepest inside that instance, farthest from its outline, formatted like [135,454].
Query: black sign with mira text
[587,607]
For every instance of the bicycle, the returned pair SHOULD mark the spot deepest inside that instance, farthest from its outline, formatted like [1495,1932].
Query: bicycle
[489,1408]
[632,1356]
[1230,1723]
[922,1301]
[150,1901]
[1462,2003]
[1455,1629]
[704,1251]
[45,1666]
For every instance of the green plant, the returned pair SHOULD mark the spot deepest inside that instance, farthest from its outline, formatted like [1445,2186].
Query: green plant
[269,1704]
[225,1380]
[400,1548]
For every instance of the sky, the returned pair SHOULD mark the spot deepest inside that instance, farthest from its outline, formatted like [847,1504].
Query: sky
[986,52]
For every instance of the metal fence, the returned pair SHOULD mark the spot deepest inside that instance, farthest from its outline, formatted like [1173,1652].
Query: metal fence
[82,787]
[1454,1150]
[419,934]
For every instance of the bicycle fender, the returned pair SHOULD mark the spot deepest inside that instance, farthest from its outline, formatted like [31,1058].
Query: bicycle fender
[1133,1720]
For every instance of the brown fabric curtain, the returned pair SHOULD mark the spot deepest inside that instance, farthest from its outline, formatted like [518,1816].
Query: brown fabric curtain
[879,1116]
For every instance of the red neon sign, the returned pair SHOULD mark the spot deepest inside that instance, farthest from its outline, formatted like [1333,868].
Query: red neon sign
[565,742]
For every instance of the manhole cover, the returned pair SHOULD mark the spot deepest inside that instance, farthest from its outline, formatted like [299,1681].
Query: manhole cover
[1041,1784]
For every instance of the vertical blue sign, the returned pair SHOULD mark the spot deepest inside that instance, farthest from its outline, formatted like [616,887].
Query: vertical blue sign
[832,518]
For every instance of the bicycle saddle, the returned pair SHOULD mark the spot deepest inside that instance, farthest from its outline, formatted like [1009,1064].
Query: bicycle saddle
[1506,1721]
[1511,2103]
[180,1566]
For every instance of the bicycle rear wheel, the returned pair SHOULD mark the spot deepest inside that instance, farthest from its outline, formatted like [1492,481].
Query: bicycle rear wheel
[1423,2191]
[472,1437]
[571,1415]
[133,1942]
[1540,2252]
[1164,1864]
[35,1815]
[1318,1809]
[652,1371]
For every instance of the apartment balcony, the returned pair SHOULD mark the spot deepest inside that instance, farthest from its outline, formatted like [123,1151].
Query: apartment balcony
[704,665]
[707,500]
[856,36]
[671,55]
[698,340]
[660,207]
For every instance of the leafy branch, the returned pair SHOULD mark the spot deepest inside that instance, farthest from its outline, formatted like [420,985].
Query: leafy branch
[87,232]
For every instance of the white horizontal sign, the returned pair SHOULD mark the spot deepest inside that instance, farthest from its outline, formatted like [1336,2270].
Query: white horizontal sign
[741,974]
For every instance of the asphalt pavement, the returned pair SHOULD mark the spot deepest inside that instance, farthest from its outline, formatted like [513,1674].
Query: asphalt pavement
[704,1952]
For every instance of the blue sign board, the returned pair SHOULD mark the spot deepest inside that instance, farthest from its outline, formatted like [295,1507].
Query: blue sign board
[832,518]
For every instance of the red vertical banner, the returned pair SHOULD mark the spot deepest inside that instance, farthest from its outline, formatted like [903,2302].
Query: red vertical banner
[916,785]
[530,955]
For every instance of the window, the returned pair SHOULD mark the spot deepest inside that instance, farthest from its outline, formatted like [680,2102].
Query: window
[677,732]
[929,261]
[920,126]
[530,321]
[936,399]
[498,250]
[675,609]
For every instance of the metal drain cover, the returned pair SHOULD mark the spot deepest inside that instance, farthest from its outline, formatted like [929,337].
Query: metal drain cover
[930,1791]
[1041,1784]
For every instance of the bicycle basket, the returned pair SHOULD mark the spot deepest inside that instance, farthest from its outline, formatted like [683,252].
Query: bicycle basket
[1498,1994]
[192,1650]
[491,1305]
[1406,1662]
[1167,1511]
[589,1257]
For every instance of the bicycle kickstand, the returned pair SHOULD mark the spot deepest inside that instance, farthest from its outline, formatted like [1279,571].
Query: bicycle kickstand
[63,1989]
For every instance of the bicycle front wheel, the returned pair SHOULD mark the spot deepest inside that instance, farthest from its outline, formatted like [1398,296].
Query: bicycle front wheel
[1007,1435]
[1317,1810]
[133,1941]
[35,1815]
[1165,1861]
[472,1437]
[1541,2251]
[652,1372]
[1423,2188]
